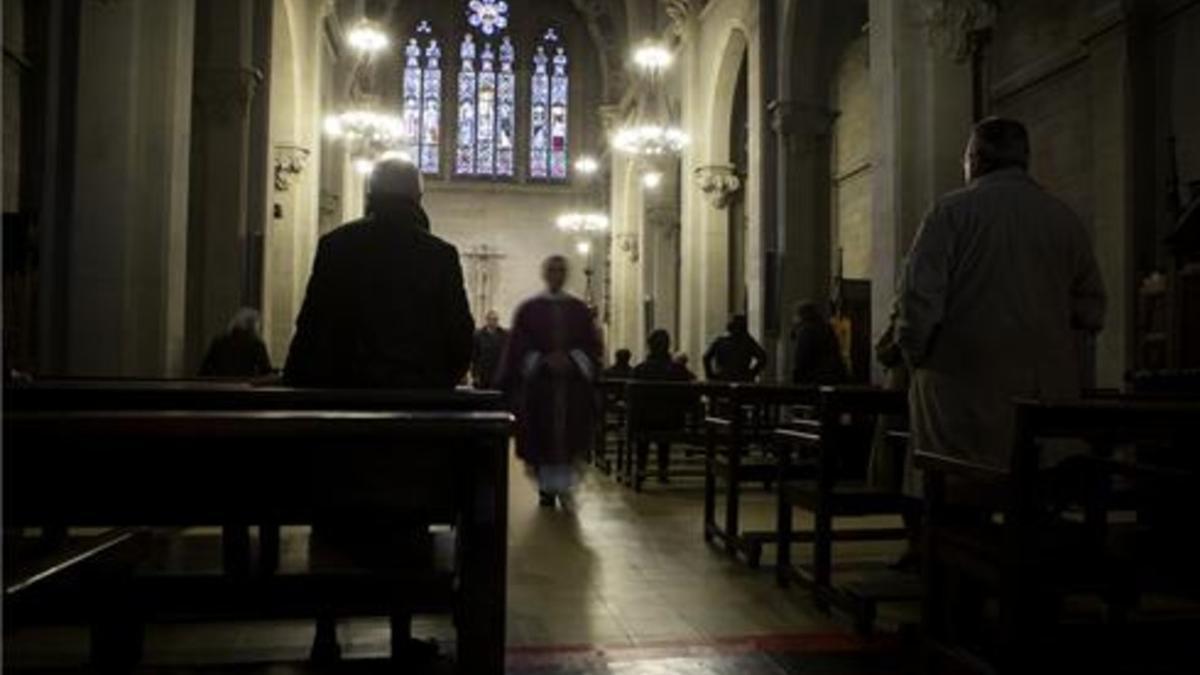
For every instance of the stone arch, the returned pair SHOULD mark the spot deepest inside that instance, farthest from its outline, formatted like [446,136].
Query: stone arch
[733,55]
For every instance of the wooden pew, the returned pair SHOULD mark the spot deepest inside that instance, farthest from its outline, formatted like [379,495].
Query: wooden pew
[837,451]
[175,469]
[226,395]
[609,447]
[743,418]
[1037,553]
[662,412]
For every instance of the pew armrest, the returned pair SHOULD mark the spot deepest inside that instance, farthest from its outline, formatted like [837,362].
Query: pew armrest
[961,468]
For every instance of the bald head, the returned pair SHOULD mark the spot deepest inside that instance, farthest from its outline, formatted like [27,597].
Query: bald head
[396,179]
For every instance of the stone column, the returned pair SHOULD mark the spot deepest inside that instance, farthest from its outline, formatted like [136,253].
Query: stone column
[1112,189]
[625,255]
[225,84]
[127,245]
[923,113]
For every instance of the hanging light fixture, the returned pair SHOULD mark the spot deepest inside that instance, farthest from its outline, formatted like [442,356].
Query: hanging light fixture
[367,38]
[586,222]
[369,136]
[651,134]
[587,165]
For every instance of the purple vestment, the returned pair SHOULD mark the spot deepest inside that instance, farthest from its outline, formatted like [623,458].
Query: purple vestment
[554,411]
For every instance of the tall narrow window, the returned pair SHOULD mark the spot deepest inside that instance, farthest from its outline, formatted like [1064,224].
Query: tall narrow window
[549,104]
[485,132]
[422,112]
[486,109]
[465,156]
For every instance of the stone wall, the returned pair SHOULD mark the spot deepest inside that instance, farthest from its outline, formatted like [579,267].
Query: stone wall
[852,154]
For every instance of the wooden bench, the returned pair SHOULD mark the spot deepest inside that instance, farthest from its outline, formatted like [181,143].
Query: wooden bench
[189,468]
[225,395]
[609,447]
[1051,533]
[739,430]
[663,413]
[41,570]
[837,451]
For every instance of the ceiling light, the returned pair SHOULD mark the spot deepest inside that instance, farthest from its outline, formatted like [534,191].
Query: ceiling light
[587,165]
[583,247]
[650,140]
[651,180]
[652,57]
[364,166]
[582,222]
[366,38]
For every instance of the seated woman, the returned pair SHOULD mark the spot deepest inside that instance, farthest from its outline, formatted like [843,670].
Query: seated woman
[661,366]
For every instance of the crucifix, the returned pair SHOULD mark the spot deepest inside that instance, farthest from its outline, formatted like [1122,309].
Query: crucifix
[481,262]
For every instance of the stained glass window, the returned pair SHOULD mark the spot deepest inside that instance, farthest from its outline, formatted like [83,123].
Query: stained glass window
[486,109]
[464,162]
[422,107]
[489,16]
[549,104]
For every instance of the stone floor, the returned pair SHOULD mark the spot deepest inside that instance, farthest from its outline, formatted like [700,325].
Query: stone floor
[623,584]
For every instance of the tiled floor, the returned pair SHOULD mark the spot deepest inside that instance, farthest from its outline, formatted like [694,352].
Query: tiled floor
[624,584]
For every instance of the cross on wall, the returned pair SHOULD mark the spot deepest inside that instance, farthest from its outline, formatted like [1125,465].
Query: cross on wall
[482,272]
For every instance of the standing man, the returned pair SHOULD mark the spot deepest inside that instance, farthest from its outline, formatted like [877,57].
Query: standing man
[385,305]
[817,354]
[549,369]
[735,356]
[489,348]
[1000,282]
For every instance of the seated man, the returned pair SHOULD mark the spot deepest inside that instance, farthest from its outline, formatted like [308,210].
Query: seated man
[386,305]
[670,412]
[621,370]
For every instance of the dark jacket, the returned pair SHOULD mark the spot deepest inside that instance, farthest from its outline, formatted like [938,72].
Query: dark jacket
[238,353]
[385,307]
[734,357]
[485,359]
[818,356]
[669,410]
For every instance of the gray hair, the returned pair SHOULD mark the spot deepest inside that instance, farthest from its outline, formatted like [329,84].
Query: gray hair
[246,319]
[396,178]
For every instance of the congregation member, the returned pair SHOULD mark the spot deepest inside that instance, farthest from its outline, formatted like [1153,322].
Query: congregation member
[660,366]
[817,356]
[622,368]
[735,356]
[385,305]
[489,348]
[682,359]
[549,371]
[240,351]
[998,284]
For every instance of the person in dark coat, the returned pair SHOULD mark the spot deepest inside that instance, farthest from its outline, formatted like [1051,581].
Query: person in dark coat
[670,412]
[240,351]
[386,305]
[623,368]
[735,356]
[818,358]
[549,371]
[490,342]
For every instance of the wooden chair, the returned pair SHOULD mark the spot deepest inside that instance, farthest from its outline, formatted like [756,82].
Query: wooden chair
[836,452]
[739,429]
[609,448]
[1032,537]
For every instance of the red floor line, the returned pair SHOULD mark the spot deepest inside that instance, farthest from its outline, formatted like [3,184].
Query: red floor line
[783,643]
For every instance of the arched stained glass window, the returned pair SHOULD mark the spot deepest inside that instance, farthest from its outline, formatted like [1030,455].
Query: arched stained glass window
[422,113]
[549,104]
[486,109]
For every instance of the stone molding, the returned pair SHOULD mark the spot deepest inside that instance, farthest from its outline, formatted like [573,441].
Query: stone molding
[627,243]
[954,27]
[225,94]
[290,161]
[719,183]
[801,118]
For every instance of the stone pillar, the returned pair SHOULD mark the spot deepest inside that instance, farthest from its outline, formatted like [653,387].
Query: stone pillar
[625,255]
[225,84]
[922,101]
[127,246]
[1112,189]
[802,130]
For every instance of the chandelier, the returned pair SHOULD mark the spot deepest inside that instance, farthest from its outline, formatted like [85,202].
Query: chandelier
[582,222]
[369,136]
[651,134]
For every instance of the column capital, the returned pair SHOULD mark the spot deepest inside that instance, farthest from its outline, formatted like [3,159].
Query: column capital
[955,27]
[225,93]
[290,161]
[801,118]
[682,13]
[719,183]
